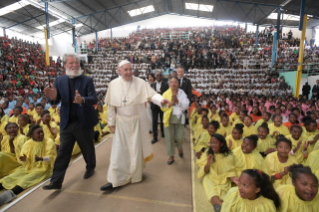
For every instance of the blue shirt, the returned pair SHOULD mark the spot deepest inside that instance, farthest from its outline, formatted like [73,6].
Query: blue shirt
[35,90]
[25,105]
[7,111]
[12,104]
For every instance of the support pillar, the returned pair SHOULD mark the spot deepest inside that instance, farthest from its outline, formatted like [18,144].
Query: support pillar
[47,19]
[74,38]
[47,59]
[111,34]
[96,42]
[274,51]
[301,54]
[245,27]
[4,32]
[278,23]
[257,33]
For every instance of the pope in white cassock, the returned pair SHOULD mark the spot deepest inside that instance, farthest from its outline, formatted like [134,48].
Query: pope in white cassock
[128,121]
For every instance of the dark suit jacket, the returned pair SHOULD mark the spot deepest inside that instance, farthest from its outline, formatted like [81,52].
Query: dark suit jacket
[187,88]
[86,113]
[164,88]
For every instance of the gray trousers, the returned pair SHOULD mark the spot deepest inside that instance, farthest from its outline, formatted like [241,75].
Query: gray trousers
[174,132]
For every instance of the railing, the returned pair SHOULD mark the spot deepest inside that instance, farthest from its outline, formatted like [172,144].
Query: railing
[175,35]
[310,69]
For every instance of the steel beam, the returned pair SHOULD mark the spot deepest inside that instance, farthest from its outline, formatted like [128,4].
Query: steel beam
[245,13]
[302,13]
[257,33]
[278,23]
[47,21]
[96,42]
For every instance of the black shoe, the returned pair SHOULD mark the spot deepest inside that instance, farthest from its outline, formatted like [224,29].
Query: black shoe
[52,186]
[107,187]
[88,174]
[154,141]
[181,155]
[163,135]
[170,162]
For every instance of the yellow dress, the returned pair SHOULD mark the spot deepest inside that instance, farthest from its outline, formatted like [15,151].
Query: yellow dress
[25,129]
[251,130]
[103,117]
[36,116]
[46,130]
[235,143]
[14,119]
[310,136]
[214,117]
[222,130]
[197,133]
[238,121]
[105,108]
[313,162]
[32,172]
[261,121]
[5,118]
[76,148]
[298,153]
[53,111]
[275,166]
[217,182]
[57,122]
[234,203]
[251,160]
[106,129]
[2,127]
[31,112]
[233,117]
[10,161]
[282,130]
[290,202]
[264,144]
[193,118]
[98,128]
[203,141]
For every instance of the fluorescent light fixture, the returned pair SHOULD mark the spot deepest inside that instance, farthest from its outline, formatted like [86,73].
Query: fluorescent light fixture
[201,7]
[286,17]
[141,11]
[50,24]
[78,25]
[12,7]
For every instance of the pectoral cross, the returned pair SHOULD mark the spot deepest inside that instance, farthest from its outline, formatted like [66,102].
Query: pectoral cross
[124,102]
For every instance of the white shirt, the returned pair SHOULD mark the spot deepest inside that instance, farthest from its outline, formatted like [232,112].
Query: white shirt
[158,86]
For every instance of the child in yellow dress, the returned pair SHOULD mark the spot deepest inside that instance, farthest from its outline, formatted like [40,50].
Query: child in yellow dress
[236,138]
[201,129]
[203,142]
[249,128]
[298,143]
[37,157]
[235,115]
[277,128]
[10,148]
[255,193]
[24,124]
[265,118]
[241,117]
[49,127]
[310,132]
[31,110]
[278,162]
[216,167]
[225,128]
[16,113]
[247,157]
[266,144]
[36,119]
[302,194]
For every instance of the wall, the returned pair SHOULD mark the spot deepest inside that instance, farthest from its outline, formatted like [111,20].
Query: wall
[59,45]
[296,33]
[290,79]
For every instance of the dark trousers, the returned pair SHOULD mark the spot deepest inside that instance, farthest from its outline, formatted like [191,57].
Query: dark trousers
[74,132]
[155,113]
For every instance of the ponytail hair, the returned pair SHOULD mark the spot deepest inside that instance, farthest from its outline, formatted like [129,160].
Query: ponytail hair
[265,126]
[253,138]
[240,128]
[262,181]
[296,169]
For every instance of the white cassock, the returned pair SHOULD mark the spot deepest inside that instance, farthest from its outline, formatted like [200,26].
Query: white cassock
[131,147]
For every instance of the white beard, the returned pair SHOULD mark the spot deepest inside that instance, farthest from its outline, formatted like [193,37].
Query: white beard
[71,73]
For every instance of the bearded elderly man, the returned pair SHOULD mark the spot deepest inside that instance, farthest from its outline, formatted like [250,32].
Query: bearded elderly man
[77,95]
[127,119]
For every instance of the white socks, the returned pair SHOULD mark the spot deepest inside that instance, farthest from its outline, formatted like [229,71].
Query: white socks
[6,197]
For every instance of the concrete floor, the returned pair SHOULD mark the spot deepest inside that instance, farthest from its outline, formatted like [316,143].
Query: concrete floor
[164,188]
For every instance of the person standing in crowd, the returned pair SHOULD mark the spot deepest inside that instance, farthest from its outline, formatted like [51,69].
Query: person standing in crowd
[160,87]
[127,120]
[289,35]
[78,118]
[306,90]
[315,90]
[174,119]
[150,80]
[184,83]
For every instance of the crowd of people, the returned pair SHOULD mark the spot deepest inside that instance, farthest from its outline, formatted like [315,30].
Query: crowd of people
[252,139]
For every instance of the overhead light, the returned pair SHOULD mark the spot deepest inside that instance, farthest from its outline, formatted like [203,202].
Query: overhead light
[201,7]
[141,10]
[78,25]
